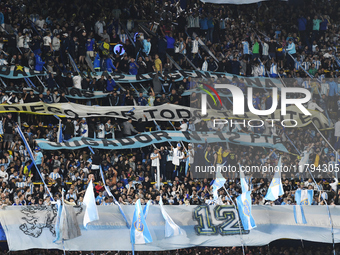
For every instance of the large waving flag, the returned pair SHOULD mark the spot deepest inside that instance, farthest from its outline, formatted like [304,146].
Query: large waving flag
[244,210]
[66,226]
[91,212]
[218,183]
[57,222]
[244,184]
[171,228]
[304,196]
[139,232]
[275,189]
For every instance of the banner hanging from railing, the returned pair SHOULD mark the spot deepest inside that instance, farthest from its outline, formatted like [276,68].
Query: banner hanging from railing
[215,226]
[149,138]
[179,75]
[18,72]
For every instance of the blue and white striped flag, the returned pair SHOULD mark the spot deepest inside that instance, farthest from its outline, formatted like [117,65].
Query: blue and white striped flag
[91,212]
[244,210]
[244,184]
[146,209]
[218,183]
[139,232]
[275,189]
[171,228]
[60,133]
[57,222]
[304,196]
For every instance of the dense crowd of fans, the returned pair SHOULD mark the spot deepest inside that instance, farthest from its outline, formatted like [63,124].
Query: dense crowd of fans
[74,42]
[250,40]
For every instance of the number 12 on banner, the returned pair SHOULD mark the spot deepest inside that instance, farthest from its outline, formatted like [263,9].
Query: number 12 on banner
[223,220]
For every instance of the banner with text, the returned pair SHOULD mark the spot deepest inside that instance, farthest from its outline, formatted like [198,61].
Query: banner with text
[29,227]
[149,138]
[165,112]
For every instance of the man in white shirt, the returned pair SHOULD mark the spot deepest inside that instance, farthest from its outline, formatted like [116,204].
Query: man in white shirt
[100,130]
[191,154]
[210,124]
[183,126]
[56,45]
[99,26]
[40,23]
[194,49]
[176,157]
[312,105]
[155,156]
[205,64]
[324,88]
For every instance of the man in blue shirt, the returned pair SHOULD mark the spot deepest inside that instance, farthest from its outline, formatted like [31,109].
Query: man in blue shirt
[256,101]
[333,93]
[133,67]
[141,100]
[170,44]
[39,160]
[246,51]
[100,198]
[291,54]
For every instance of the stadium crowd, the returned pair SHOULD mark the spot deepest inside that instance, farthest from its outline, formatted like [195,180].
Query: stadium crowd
[249,40]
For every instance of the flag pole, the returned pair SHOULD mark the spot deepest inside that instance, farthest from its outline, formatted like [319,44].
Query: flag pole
[238,219]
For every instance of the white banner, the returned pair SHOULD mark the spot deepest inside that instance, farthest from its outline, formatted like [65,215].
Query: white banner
[165,112]
[33,227]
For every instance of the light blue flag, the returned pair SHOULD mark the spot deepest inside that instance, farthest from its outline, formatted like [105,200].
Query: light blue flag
[275,188]
[146,209]
[57,222]
[304,196]
[244,210]
[186,166]
[139,233]
[299,215]
[91,212]
[218,183]
[171,228]
[244,184]
[60,133]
